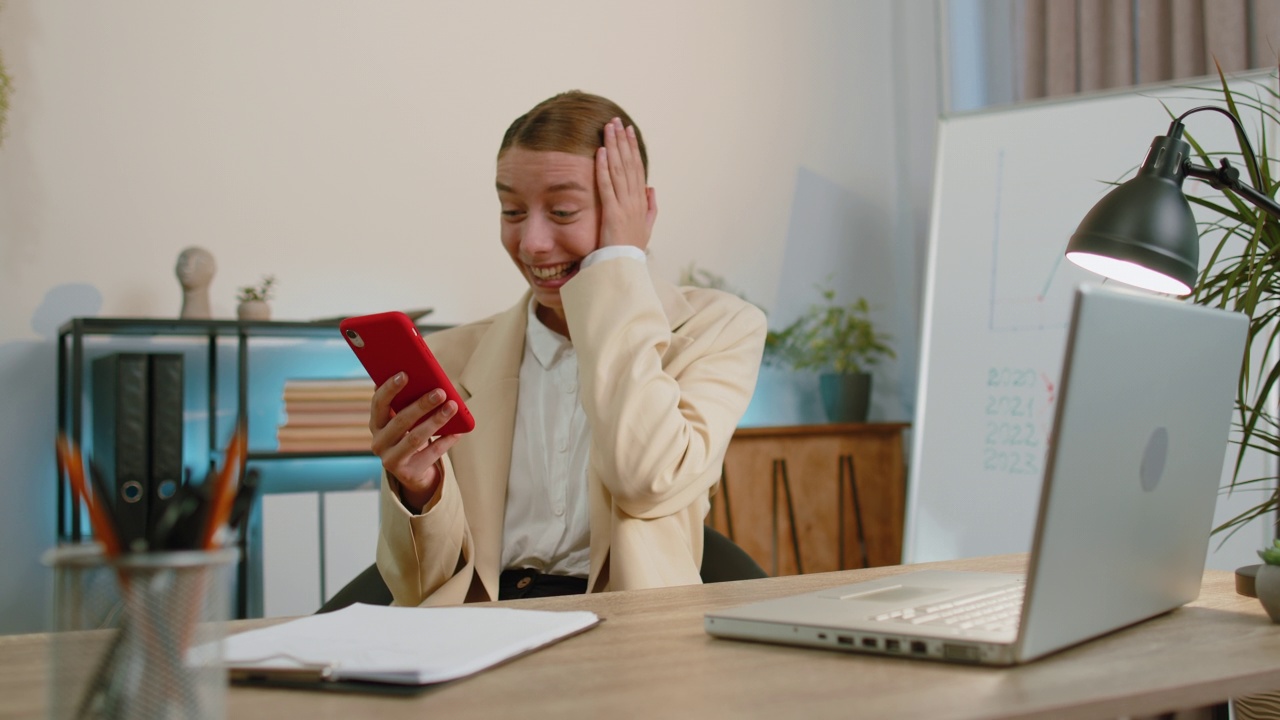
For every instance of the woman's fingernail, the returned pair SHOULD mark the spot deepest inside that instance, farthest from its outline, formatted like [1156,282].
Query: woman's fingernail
[437,395]
[448,408]
[399,378]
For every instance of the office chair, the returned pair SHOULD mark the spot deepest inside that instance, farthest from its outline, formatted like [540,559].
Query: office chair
[722,561]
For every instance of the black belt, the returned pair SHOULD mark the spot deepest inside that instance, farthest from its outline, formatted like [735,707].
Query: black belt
[527,583]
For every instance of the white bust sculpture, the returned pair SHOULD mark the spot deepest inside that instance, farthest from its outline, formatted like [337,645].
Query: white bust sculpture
[195,271]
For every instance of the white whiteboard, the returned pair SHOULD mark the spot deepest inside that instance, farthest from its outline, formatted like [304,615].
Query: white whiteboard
[1010,188]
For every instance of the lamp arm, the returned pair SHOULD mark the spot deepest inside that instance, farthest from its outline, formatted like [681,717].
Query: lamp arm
[1251,158]
[1227,177]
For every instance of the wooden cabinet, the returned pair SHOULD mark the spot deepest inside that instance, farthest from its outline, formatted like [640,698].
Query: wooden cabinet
[815,498]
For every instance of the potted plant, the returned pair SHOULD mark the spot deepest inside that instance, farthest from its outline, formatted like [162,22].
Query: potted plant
[255,299]
[1243,274]
[841,343]
[1267,582]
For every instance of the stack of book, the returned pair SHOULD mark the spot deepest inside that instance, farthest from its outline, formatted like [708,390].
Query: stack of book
[326,415]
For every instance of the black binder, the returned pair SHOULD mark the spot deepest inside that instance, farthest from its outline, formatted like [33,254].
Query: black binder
[121,429]
[166,472]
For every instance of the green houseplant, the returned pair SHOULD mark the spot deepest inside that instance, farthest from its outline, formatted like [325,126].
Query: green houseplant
[1243,273]
[1271,555]
[841,343]
[255,299]
[1267,582]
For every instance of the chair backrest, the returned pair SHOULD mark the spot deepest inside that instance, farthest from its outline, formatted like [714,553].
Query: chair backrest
[722,561]
[368,587]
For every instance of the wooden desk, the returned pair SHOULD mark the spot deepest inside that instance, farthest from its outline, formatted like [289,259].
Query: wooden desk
[651,658]
[787,499]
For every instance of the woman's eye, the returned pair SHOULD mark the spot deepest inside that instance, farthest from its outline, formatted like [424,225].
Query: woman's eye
[564,214]
[512,213]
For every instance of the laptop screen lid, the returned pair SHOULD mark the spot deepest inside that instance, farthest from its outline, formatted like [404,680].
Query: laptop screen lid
[1140,436]
[1135,456]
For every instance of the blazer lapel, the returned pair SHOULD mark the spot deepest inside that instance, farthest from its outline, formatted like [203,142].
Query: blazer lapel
[482,460]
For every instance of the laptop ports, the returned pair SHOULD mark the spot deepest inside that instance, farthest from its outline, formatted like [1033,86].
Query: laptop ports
[919,647]
[893,645]
[967,653]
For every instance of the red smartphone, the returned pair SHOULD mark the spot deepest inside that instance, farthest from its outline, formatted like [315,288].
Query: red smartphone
[388,343]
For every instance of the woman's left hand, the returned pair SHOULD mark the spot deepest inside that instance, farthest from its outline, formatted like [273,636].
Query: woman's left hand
[628,206]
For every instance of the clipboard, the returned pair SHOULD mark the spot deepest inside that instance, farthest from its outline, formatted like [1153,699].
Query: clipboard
[393,650]
[318,678]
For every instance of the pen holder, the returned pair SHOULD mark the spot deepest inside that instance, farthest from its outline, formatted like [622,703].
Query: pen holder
[139,635]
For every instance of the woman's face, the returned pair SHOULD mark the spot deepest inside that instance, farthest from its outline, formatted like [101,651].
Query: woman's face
[550,217]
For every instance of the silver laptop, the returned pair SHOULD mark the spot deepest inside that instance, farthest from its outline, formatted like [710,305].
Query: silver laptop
[1136,454]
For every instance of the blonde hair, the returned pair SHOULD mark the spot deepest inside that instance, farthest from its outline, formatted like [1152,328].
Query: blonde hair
[571,122]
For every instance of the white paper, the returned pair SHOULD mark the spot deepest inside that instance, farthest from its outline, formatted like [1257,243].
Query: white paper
[412,646]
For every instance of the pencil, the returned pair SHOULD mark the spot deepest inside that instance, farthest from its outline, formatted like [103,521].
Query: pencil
[222,494]
[99,517]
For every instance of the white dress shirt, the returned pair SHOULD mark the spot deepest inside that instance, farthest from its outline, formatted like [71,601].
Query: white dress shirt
[546,525]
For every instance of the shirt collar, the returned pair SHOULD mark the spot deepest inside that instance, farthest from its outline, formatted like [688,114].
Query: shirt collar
[547,345]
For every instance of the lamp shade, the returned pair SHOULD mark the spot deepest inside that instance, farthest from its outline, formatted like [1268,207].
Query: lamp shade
[1143,233]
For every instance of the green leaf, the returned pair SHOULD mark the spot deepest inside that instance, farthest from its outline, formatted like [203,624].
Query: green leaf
[1243,274]
[830,337]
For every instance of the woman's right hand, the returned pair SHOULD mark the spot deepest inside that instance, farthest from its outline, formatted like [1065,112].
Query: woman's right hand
[408,453]
[628,207]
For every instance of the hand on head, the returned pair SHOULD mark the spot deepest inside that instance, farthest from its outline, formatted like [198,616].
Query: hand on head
[408,453]
[628,206]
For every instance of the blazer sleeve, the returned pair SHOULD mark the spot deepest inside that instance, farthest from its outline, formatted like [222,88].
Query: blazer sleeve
[662,402]
[427,558]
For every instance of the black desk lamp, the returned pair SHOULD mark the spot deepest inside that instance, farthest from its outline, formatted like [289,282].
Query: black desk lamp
[1142,233]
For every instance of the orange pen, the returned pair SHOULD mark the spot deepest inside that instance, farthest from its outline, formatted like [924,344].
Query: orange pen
[222,494]
[99,514]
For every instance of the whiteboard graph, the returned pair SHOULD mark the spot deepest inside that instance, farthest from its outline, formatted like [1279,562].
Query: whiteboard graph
[1011,187]
[1030,284]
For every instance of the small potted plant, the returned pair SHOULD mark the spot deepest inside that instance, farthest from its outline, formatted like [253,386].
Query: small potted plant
[1267,582]
[841,343]
[255,299]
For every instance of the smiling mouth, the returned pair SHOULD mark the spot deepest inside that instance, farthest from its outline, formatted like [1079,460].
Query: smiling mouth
[559,271]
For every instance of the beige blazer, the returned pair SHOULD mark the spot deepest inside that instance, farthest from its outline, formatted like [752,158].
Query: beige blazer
[665,375]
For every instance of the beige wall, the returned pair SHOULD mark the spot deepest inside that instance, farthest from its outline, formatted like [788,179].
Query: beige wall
[347,147]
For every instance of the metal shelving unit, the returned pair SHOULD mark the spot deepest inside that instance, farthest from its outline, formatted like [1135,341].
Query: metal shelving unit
[71,385]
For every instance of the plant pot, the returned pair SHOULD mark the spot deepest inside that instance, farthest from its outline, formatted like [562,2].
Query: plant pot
[846,397]
[253,310]
[1267,585]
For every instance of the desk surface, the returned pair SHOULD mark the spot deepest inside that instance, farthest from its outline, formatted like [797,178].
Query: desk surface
[651,658]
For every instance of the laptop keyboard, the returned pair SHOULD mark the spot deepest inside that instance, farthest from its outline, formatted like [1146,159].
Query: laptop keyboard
[993,609]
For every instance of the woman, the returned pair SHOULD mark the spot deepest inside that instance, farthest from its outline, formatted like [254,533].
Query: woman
[604,399]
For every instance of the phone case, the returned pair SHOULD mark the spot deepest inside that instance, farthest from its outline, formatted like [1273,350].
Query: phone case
[388,343]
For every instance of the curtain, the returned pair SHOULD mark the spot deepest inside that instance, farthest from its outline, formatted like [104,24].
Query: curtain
[1073,46]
